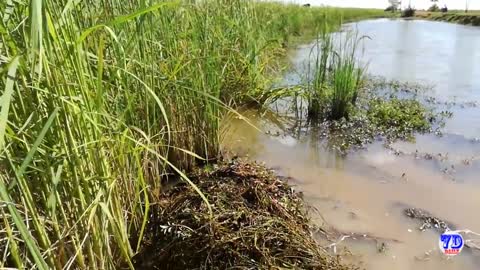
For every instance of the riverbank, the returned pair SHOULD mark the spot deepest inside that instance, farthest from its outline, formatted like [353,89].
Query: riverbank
[104,103]
[471,18]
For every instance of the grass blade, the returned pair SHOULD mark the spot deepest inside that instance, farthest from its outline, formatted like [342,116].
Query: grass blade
[5,100]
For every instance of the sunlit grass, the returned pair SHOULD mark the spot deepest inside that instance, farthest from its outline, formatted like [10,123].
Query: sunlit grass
[336,76]
[102,100]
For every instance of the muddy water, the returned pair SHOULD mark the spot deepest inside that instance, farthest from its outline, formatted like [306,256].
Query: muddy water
[366,191]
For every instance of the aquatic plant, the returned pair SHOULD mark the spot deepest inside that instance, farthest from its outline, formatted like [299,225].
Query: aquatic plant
[318,87]
[385,109]
[400,116]
[346,79]
[388,118]
[336,78]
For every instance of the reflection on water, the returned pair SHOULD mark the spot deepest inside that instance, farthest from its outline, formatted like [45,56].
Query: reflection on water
[366,191]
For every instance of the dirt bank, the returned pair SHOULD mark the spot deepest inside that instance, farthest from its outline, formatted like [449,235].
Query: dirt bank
[257,222]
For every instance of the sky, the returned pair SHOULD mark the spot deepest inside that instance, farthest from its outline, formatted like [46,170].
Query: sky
[419,4]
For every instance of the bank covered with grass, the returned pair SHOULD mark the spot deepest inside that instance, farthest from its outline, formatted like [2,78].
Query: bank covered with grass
[470,18]
[104,101]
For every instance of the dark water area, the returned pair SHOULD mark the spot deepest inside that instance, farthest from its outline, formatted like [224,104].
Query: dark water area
[361,192]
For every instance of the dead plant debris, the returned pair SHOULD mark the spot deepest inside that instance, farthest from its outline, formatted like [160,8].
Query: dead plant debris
[259,222]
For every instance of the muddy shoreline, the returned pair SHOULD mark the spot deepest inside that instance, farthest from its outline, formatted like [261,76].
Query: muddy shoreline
[357,193]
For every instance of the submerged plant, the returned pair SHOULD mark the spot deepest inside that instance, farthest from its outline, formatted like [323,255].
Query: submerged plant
[385,110]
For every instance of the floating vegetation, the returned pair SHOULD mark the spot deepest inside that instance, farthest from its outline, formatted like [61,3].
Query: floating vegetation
[367,125]
[399,118]
[428,221]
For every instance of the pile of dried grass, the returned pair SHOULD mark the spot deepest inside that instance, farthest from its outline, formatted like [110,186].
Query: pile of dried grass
[258,222]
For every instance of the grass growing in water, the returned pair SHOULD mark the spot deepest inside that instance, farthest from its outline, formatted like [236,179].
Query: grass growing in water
[336,77]
[347,77]
[389,119]
[102,100]
[384,110]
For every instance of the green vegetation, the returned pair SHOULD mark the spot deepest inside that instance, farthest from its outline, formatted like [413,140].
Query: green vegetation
[399,116]
[298,24]
[104,100]
[316,90]
[470,18]
[347,78]
[336,77]
[387,110]
[434,7]
[389,119]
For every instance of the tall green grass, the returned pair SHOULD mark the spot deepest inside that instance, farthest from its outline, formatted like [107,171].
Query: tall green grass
[347,76]
[102,100]
[296,23]
[336,75]
[318,86]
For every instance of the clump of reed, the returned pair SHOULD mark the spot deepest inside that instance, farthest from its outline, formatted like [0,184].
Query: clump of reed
[103,100]
[335,77]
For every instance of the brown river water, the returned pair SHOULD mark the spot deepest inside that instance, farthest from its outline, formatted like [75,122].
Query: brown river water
[366,191]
